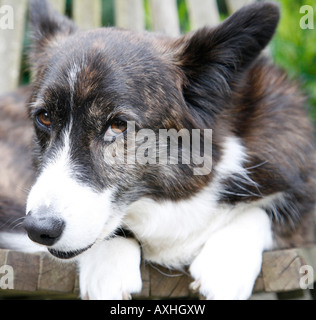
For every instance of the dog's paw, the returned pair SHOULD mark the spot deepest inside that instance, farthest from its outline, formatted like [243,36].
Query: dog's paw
[110,270]
[230,261]
[224,272]
[222,279]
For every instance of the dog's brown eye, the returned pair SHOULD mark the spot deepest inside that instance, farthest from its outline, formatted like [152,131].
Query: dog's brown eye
[44,119]
[118,126]
[115,129]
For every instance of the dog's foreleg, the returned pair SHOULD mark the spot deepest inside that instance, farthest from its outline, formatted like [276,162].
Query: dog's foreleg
[110,270]
[230,261]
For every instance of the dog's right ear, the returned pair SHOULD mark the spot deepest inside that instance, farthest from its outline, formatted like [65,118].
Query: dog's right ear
[213,60]
[47,27]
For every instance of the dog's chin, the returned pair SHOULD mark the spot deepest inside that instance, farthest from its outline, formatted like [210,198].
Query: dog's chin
[112,228]
[67,255]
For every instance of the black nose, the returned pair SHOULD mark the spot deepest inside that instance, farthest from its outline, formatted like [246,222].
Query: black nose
[43,229]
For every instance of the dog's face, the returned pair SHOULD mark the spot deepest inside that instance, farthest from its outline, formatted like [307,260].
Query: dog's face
[92,89]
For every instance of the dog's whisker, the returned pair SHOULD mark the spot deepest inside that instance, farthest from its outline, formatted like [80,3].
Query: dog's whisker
[18,221]
[10,222]
[17,226]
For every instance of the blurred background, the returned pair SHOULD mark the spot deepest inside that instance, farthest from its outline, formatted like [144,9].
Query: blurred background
[293,48]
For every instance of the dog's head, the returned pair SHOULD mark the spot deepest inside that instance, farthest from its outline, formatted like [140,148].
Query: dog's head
[95,90]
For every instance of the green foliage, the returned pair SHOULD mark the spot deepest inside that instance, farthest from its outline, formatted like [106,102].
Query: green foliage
[183,16]
[107,13]
[294,49]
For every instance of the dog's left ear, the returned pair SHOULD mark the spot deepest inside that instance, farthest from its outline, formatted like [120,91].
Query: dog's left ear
[213,59]
[47,27]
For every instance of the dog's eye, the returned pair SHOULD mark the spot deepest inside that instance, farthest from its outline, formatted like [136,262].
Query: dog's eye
[117,127]
[43,119]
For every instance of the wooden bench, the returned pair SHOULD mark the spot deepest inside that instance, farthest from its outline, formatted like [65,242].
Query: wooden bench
[40,276]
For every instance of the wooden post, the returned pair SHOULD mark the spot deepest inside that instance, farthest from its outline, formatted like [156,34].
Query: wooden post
[234,5]
[11,42]
[87,14]
[202,13]
[165,16]
[129,14]
[59,5]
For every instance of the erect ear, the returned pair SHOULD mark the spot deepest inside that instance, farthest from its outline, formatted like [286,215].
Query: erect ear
[213,59]
[47,27]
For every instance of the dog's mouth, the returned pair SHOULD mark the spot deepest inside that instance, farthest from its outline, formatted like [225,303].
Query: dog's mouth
[64,255]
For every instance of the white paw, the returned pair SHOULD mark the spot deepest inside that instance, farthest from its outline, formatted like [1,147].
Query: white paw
[224,279]
[110,270]
[230,261]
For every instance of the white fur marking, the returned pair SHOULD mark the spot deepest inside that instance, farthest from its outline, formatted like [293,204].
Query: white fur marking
[110,270]
[85,212]
[72,78]
[19,242]
[230,261]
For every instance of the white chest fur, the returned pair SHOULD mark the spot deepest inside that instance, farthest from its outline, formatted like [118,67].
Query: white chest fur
[173,233]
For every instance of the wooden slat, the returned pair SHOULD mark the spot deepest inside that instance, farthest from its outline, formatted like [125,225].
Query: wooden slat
[38,274]
[165,17]
[234,5]
[55,278]
[11,44]
[59,5]
[130,14]
[281,269]
[26,270]
[202,13]
[168,284]
[3,257]
[87,14]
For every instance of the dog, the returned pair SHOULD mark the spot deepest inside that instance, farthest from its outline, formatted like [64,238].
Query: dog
[99,196]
